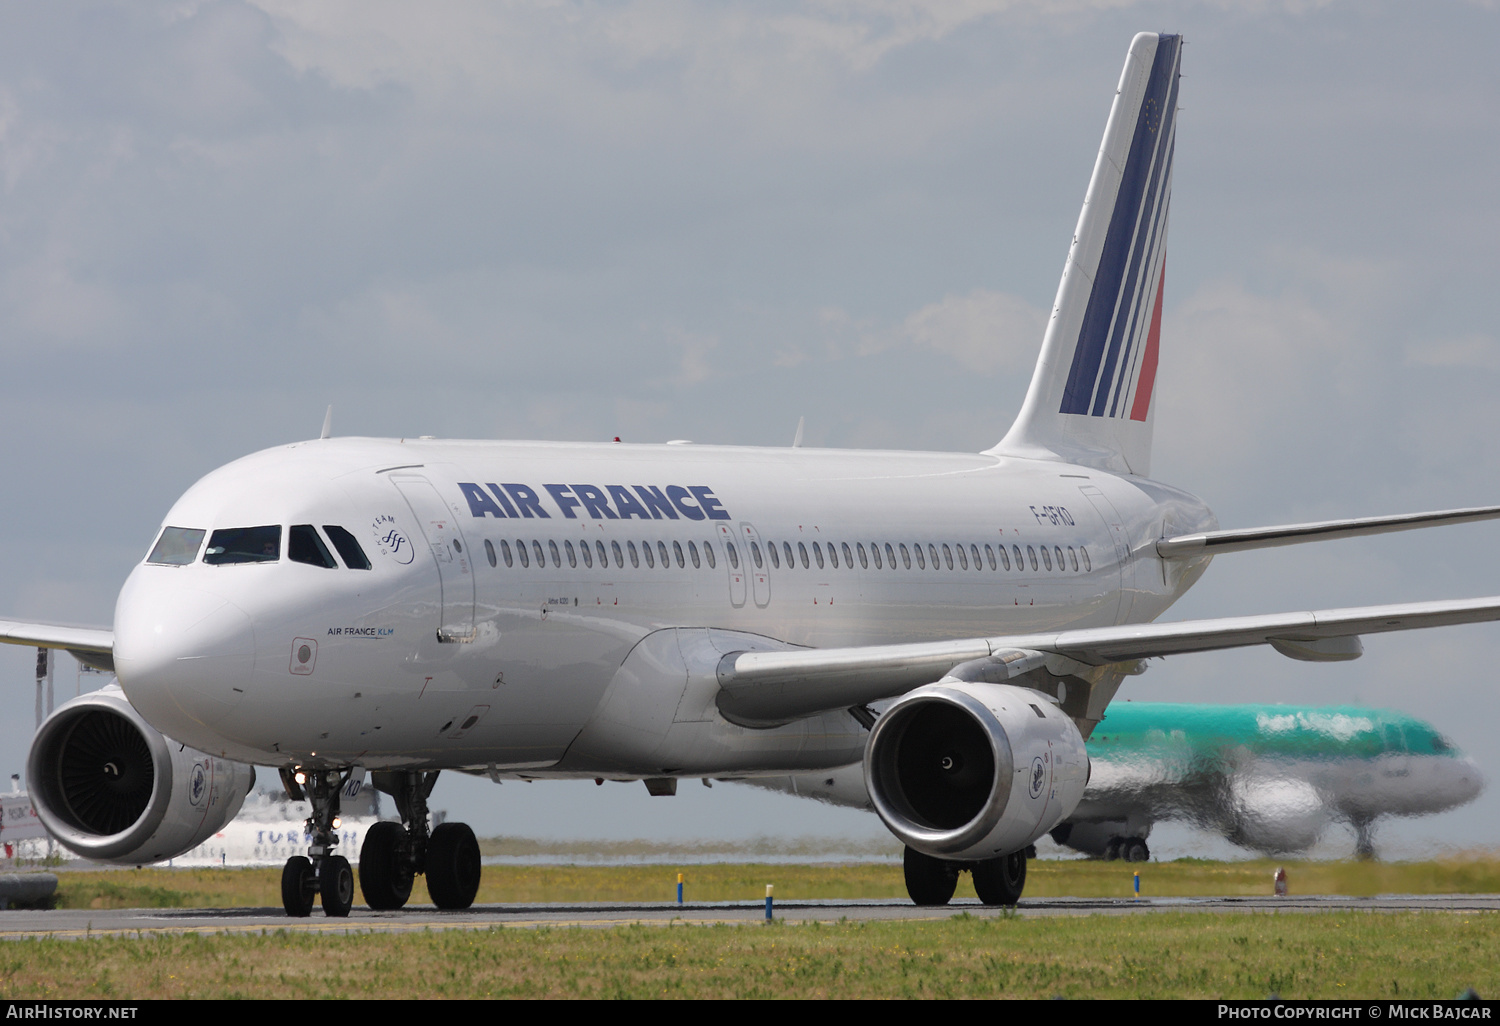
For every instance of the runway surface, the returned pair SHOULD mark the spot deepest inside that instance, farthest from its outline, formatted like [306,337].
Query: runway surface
[22,924]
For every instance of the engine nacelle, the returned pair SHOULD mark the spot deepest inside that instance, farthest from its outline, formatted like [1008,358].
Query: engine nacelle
[111,788]
[970,771]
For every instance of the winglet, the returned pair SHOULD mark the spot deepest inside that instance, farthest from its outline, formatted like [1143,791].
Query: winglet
[327,423]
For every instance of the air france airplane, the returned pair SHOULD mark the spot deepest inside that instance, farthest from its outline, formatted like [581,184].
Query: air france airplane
[402,607]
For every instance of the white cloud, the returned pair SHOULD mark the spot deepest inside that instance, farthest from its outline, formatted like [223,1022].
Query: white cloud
[1473,351]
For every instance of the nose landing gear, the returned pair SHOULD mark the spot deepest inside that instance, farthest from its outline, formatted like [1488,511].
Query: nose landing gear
[321,873]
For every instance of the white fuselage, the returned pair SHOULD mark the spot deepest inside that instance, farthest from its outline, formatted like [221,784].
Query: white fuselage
[435,658]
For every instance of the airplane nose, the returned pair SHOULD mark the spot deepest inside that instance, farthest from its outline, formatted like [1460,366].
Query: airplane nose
[184,655]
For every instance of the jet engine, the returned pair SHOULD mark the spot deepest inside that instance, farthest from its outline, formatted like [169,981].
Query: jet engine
[111,788]
[972,771]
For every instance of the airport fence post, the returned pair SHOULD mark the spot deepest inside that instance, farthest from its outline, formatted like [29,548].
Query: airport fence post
[1138,883]
[768,902]
[679,888]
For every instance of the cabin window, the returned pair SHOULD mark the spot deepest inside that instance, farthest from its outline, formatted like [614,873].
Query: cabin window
[1046,558]
[572,556]
[1032,553]
[708,554]
[1004,557]
[489,553]
[922,560]
[603,556]
[1073,558]
[948,556]
[734,557]
[818,555]
[693,555]
[177,546]
[775,555]
[755,555]
[932,555]
[786,547]
[304,546]
[1015,550]
[635,558]
[521,551]
[505,552]
[974,552]
[849,556]
[354,557]
[244,545]
[677,552]
[650,556]
[587,554]
[890,557]
[541,558]
[661,547]
[833,556]
[1083,550]
[905,555]
[1057,552]
[614,547]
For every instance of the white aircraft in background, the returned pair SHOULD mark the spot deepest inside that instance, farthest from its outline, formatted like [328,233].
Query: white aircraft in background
[552,610]
[1271,778]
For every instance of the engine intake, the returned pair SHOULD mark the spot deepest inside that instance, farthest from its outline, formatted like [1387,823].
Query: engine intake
[110,787]
[962,770]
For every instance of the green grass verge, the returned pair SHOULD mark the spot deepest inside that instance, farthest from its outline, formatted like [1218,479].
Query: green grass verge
[239,888]
[1164,955]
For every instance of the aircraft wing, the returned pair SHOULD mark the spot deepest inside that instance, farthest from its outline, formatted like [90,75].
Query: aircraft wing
[777,686]
[91,645]
[1211,543]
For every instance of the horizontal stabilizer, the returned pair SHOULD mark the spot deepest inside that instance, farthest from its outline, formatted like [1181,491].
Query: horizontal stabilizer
[1213,542]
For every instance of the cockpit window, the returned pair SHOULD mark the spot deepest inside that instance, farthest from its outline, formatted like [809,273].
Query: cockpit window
[354,556]
[177,546]
[244,545]
[304,546]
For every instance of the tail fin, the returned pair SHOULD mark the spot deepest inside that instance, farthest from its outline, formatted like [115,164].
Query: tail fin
[1090,397]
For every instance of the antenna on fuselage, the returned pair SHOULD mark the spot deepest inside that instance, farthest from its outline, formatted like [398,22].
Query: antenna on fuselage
[327,423]
[797,438]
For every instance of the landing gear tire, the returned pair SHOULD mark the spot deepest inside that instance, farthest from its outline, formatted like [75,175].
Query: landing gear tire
[453,866]
[384,876]
[299,886]
[1134,850]
[929,881]
[336,885]
[1001,881]
[1112,849]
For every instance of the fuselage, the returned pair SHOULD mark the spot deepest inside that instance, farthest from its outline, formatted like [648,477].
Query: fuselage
[508,583]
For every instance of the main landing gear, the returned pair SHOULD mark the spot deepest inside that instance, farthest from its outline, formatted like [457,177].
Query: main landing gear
[392,855]
[932,881]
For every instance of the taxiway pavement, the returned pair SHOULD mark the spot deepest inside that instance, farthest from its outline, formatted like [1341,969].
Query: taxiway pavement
[21,924]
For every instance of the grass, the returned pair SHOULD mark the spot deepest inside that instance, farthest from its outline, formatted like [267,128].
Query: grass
[252,888]
[1168,955]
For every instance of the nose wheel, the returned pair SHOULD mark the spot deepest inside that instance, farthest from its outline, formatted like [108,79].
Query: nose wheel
[320,874]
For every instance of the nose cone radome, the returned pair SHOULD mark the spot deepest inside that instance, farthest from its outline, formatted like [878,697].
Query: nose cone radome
[184,655]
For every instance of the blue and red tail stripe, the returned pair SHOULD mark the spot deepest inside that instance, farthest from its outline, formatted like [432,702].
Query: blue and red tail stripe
[1114,359]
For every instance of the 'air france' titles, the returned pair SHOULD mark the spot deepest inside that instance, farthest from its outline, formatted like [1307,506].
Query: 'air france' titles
[612,502]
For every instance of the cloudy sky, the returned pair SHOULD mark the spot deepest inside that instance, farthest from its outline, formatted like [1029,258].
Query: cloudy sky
[665,220]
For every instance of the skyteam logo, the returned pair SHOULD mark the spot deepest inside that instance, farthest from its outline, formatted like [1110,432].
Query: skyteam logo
[391,540]
[198,786]
[1114,358]
[1038,776]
